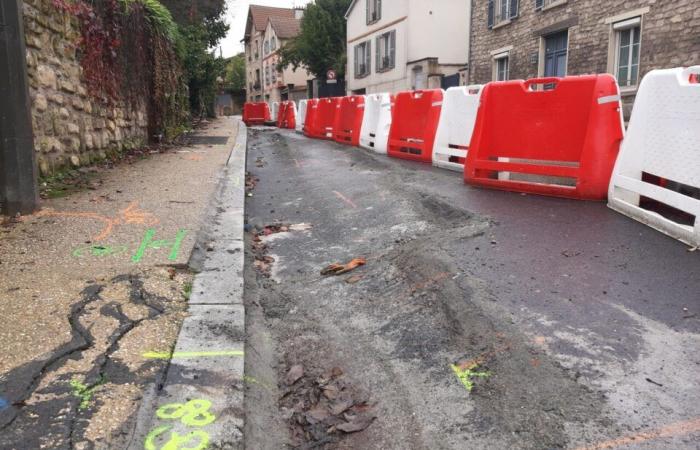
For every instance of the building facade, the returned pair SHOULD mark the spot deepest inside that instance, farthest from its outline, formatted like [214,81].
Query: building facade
[267,30]
[521,39]
[396,45]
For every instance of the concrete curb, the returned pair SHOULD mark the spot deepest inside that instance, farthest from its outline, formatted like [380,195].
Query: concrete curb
[206,368]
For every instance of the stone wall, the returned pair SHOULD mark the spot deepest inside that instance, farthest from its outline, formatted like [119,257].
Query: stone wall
[70,127]
[670,37]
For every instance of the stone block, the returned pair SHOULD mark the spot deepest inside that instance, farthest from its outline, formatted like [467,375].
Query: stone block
[46,76]
[40,102]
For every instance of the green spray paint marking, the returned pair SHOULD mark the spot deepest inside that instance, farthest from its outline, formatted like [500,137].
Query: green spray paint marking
[84,392]
[185,355]
[100,250]
[465,375]
[148,242]
[194,413]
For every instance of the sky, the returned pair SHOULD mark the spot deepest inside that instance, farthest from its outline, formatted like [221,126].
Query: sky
[236,16]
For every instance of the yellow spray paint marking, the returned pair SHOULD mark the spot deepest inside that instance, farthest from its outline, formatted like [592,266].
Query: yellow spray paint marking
[176,441]
[194,413]
[186,355]
[465,375]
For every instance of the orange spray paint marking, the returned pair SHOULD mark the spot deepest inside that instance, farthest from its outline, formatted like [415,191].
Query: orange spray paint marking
[131,215]
[345,199]
[676,429]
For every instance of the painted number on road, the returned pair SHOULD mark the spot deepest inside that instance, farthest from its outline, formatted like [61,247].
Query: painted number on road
[194,413]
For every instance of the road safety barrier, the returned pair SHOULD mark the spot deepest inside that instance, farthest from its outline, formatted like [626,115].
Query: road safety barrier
[416,116]
[327,110]
[657,175]
[348,120]
[274,111]
[454,132]
[256,113]
[376,123]
[301,116]
[310,123]
[287,115]
[569,132]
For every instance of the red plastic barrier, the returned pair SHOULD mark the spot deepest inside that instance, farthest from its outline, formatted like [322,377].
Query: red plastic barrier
[348,120]
[310,122]
[256,113]
[414,124]
[325,117]
[567,137]
[281,114]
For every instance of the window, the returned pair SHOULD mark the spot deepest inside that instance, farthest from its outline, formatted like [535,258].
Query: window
[555,54]
[267,75]
[627,40]
[257,49]
[386,51]
[273,43]
[501,67]
[374,11]
[266,48]
[362,59]
[546,4]
[273,73]
[501,12]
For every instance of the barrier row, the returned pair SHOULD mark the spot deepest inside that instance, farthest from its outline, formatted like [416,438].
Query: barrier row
[561,137]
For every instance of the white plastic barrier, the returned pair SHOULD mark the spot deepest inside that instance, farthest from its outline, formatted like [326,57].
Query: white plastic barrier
[663,140]
[376,122]
[301,116]
[454,132]
[274,110]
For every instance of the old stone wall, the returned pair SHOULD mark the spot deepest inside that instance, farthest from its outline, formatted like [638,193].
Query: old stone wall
[71,128]
[670,37]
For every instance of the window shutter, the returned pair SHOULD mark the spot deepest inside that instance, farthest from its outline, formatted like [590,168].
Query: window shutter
[539,4]
[357,60]
[491,12]
[379,52]
[379,9]
[368,10]
[514,8]
[392,50]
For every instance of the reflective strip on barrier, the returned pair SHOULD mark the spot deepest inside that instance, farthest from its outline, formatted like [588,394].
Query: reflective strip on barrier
[348,121]
[560,141]
[456,125]
[657,175]
[416,115]
[376,123]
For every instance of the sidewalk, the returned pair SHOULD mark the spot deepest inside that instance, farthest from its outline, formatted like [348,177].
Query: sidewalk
[93,291]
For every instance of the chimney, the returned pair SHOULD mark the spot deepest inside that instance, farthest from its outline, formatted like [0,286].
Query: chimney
[298,12]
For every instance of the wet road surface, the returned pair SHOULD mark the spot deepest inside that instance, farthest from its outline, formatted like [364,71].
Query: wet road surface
[575,326]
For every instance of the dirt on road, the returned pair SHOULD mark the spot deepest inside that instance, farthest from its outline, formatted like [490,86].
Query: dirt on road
[460,329]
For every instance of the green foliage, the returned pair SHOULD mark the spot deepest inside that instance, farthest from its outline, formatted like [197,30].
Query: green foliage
[466,375]
[235,72]
[85,392]
[158,17]
[320,44]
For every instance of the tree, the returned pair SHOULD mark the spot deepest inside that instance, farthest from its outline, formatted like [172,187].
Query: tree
[235,72]
[320,44]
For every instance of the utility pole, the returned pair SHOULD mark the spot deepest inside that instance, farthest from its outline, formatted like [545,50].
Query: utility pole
[18,186]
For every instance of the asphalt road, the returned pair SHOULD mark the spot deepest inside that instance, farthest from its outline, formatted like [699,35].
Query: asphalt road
[584,323]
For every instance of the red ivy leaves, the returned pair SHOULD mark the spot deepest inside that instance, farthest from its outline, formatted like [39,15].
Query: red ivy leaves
[99,44]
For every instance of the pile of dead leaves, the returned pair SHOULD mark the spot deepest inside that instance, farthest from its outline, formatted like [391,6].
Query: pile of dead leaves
[322,409]
[250,182]
[263,262]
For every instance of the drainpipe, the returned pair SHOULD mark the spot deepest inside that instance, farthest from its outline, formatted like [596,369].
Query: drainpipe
[18,184]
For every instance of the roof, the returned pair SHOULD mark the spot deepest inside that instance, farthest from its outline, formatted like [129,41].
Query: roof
[285,27]
[260,15]
[352,5]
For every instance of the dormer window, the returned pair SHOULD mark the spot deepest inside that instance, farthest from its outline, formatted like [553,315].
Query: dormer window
[374,11]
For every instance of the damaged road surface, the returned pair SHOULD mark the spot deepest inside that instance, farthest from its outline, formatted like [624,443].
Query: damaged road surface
[478,319]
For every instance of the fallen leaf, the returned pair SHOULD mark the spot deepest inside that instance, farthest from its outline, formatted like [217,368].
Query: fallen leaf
[294,374]
[353,279]
[357,423]
[339,269]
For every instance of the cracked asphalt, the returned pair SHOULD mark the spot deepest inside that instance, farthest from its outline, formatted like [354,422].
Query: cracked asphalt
[585,324]
[90,285]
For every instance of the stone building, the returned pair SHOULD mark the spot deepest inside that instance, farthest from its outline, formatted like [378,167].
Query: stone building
[395,45]
[267,30]
[520,39]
